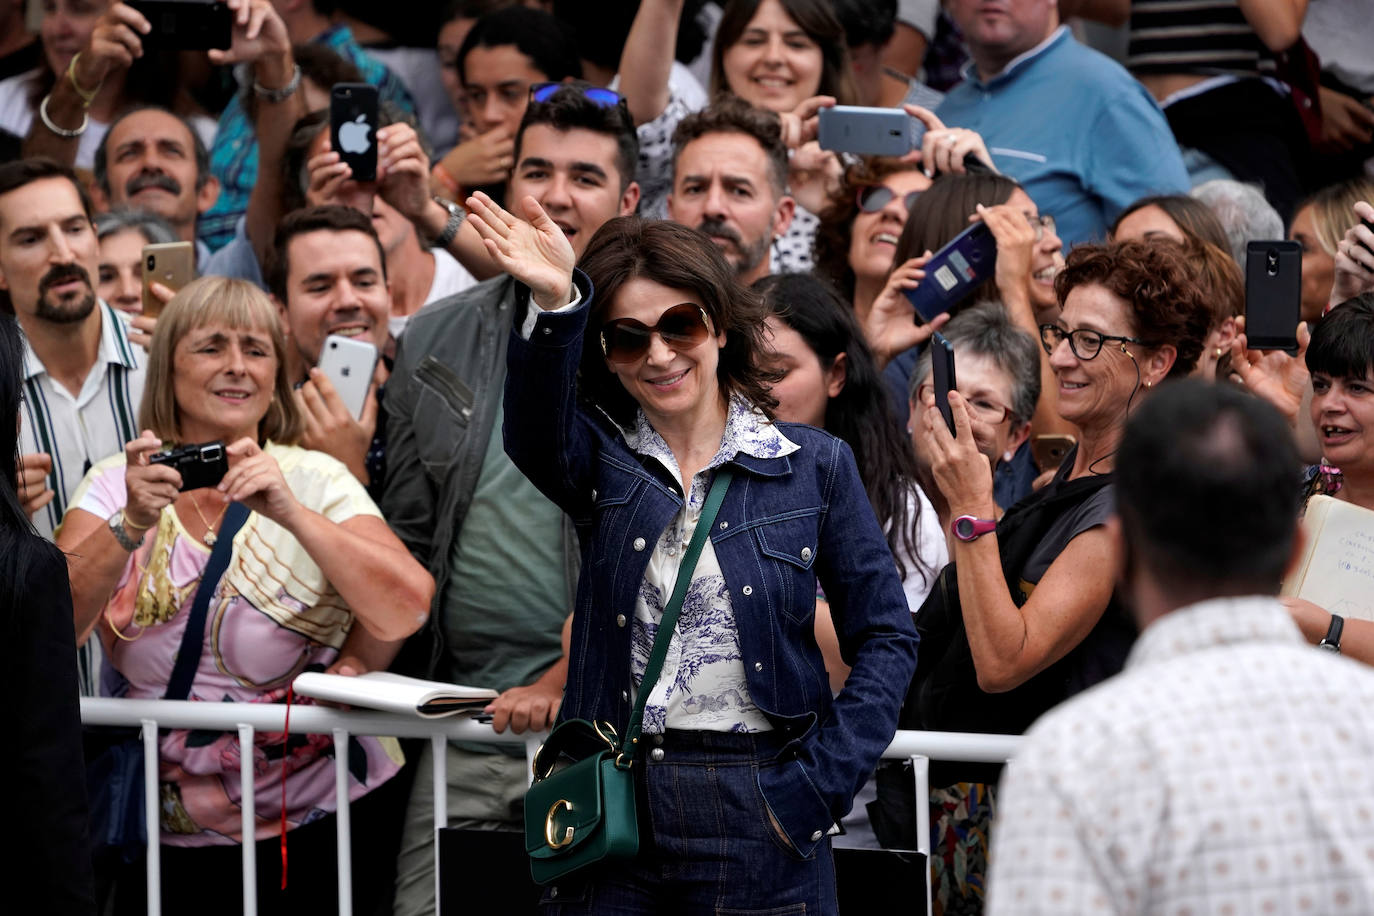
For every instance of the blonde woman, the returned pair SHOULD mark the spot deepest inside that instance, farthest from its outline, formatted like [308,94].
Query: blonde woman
[1319,224]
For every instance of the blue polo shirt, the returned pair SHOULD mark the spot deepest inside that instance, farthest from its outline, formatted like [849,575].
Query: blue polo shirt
[1075,129]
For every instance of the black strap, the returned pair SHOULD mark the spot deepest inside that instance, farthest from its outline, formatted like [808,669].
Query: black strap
[654,666]
[193,640]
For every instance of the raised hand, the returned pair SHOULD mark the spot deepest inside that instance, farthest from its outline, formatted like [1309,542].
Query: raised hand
[150,487]
[890,327]
[1274,375]
[403,170]
[535,252]
[115,43]
[255,480]
[258,31]
[1354,258]
[962,473]
[484,159]
[802,124]
[1015,241]
[943,149]
[331,428]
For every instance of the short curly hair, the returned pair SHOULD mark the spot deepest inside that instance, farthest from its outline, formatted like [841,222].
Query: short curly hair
[1167,305]
[830,249]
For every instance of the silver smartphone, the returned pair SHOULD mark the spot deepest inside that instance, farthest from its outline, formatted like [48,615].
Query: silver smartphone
[869,131]
[349,364]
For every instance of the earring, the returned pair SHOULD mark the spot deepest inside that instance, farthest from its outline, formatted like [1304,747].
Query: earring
[1218,352]
[1149,385]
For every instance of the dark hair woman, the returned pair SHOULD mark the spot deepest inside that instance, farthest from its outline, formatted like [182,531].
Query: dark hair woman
[674,402]
[50,857]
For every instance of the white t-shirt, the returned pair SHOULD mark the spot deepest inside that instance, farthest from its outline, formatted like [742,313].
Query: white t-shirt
[16,116]
[450,278]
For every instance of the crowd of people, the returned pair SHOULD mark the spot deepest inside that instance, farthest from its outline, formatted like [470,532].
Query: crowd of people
[616,285]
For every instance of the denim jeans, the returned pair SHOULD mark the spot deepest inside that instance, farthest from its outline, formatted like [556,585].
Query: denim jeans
[706,841]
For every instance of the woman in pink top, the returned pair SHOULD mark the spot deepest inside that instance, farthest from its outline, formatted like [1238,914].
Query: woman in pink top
[315,579]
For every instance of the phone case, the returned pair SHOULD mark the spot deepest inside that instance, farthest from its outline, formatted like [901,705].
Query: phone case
[1273,294]
[349,364]
[955,271]
[173,264]
[869,131]
[186,26]
[353,127]
[942,373]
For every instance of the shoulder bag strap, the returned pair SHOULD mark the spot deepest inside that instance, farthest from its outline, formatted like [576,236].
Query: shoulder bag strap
[654,666]
[193,640]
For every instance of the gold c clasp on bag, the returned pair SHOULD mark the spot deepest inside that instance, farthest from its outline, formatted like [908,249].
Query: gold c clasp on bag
[551,832]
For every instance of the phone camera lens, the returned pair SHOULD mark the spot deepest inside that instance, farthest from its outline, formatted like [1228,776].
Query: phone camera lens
[1272,263]
[151,262]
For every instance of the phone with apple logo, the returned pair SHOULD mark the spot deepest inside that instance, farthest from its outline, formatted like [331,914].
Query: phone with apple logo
[349,363]
[353,127]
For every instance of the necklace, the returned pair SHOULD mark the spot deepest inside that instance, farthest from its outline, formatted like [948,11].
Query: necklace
[209,537]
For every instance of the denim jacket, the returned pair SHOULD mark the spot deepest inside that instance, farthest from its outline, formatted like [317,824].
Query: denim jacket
[785,523]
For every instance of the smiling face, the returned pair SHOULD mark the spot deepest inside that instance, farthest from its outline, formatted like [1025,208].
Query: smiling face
[806,387]
[151,164]
[1318,267]
[1047,256]
[574,176]
[65,26]
[48,252]
[873,236]
[1343,414]
[1093,393]
[334,285]
[121,270]
[722,187]
[223,379]
[668,384]
[775,64]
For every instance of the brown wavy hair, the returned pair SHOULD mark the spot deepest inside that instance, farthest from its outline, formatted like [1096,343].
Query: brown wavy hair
[1195,218]
[626,248]
[1167,305]
[830,250]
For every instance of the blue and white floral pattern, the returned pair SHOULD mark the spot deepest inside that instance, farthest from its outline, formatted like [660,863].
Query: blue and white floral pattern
[703,684]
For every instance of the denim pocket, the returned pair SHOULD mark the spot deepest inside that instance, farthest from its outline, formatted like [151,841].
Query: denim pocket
[790,542]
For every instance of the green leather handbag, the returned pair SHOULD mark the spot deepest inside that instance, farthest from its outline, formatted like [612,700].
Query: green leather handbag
[585,812]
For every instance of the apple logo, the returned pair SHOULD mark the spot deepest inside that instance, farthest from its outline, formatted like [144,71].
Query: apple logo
[353,135]
[345,371]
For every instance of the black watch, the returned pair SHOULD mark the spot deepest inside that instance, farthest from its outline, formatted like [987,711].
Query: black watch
[1332,640]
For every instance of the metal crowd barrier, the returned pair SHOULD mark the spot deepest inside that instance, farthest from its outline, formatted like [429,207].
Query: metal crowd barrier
[248,718]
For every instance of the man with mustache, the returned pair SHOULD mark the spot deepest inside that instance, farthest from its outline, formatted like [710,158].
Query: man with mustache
[152,160]
[83,380]
[730,182]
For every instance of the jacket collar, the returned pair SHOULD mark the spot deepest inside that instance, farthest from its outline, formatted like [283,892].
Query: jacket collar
[751,441]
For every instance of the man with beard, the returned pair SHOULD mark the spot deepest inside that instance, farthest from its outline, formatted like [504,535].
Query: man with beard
[730,182]
[83,380]
[152,160]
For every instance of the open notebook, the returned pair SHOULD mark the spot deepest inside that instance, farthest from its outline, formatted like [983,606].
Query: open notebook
[395,693]
[1337,567]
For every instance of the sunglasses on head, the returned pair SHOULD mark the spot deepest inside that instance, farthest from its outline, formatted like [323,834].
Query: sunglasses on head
[606,98]
[874,197]
[626,340]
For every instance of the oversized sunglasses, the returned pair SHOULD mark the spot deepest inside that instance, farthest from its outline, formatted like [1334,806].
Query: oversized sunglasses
[606,98]
[872,198]
[626,340]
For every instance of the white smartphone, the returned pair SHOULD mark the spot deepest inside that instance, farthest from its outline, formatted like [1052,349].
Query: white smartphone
[349,364]
[869,131]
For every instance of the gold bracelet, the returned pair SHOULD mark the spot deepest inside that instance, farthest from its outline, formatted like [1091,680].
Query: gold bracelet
[86,97]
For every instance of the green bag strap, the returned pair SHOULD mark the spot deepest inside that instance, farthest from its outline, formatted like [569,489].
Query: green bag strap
[654,666]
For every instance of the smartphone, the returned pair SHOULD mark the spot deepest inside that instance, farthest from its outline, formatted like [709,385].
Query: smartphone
[1273,295]
[186,25]
[1368,224]
[353,127]
[349,364]
[1050,450]
[942,373]
[955,271]
[173,264]
[869,131]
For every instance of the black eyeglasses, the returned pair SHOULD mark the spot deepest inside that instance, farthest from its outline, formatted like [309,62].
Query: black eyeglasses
[1084,342]
[626,340]
[606,98]
[872,198]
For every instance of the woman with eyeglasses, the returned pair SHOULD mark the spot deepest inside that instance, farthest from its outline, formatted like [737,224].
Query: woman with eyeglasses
[625,406]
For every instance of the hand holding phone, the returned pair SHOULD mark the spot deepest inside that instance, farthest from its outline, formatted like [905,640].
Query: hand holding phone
[955,271]
[353,127]
[942,373]
[869,131]
[1273,295]
[349,364]
[186,25]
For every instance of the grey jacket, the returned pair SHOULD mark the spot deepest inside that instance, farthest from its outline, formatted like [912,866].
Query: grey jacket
[441,403]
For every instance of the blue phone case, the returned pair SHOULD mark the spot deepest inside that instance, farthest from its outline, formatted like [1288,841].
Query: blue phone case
[955,271]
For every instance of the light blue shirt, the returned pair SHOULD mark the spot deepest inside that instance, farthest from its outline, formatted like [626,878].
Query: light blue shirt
[1075,129]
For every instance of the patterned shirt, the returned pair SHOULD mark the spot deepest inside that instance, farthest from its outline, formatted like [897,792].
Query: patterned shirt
[1225,770]
[234,157]
[702,685]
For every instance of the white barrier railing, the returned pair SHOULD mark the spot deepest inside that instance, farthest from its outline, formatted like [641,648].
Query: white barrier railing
[248,718]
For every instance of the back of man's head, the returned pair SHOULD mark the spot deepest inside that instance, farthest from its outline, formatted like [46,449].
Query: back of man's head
[732,115]
[1243,212]
[1207,489]
[579,105]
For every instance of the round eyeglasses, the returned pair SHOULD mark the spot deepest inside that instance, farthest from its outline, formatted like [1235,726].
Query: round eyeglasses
[626,340]
[1084,342]
[872,198]
[1041,224]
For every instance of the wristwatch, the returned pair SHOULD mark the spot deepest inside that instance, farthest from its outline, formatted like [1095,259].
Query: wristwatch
[456,215]
[970,528]
[122,536]
[1332,640]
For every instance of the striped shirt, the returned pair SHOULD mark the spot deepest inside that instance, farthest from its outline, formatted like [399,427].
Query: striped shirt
[78,431]
[1195,36]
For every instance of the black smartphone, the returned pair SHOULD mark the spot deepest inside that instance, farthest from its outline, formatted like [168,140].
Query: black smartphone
[1273,295]
[187,25]
[1368,224]
[353,127]
[200,466]
[955,270]
[942,373]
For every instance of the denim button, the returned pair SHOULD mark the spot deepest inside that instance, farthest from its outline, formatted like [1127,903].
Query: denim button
[747,590]
[639,544]
[806,554]
[656,754]
[816,837]
[758,666]
[553,892]
[658,739]
[724,525]
[620,620]
[625,695]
